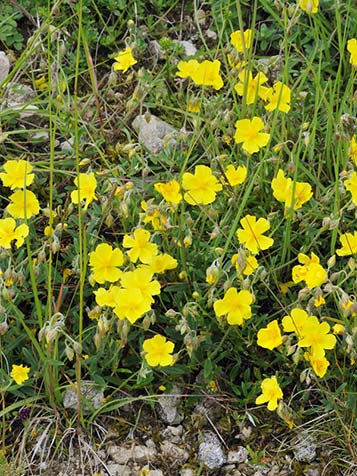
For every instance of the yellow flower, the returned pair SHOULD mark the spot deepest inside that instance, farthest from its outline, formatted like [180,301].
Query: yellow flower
[351,186]
[193,106]
[140,246]
[281,186]
[170,191]
[353,150]
[251,88]
[41,83]
[207,74]
[311,271]
[235,305]
[201,186]
[309,6]
[241,40]
[131,304]
[235,176]
[271,393]
[141,279]
[279,97]
[251,235]
[104,262]
[24,204]
[20,373]
[349,244]
[248,132]
[245,264]
[319,363]
[338,329]
[186,69]
[293,194]
[319,301]
[316,335]
[296,321]
[352,48]
[86,185]
[124,60]
[106,297]
[270,336]
[161,263]
[153,215]
[17,174]
[9,233]
[158,351]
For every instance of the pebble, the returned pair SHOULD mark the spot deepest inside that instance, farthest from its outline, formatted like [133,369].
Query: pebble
[169,406]
[4,66]
[118,470]
[240,455]
[305,448]
[138,453]
[154,133]
[90,392]
[174,453]
[210,451]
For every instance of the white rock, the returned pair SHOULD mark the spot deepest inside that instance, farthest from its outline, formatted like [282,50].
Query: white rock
[154,133]
[212,35]
[174,452]
[240,455]
[210,451]
[138,453]
[173,434]
[118,470]
[4,66]
[169,406]
[187,472]
[92,397]
[305,448]
[189,47]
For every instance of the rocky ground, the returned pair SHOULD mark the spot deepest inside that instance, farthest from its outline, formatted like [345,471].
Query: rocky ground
[174,438]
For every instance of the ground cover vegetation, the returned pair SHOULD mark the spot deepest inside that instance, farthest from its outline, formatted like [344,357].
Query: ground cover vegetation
[230,253]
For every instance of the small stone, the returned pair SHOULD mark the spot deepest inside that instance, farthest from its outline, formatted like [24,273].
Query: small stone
[187,472]
[305,448]
[312,470]
[228,468]
[154,133]
[173,434]
[174,453]
[240,455]
[118,470]
[210,451]
[138,453]
[188,46]
[169,406]
[212,35]
[92,397]
[4,66]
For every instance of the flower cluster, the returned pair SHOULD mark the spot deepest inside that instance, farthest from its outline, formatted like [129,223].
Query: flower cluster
[292,194]
[202,74]
[23,203]
[132,294]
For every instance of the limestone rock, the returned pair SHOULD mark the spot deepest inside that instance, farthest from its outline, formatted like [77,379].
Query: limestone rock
[137,453]
[169,405]
[240,455]
[4,66]
[305,448]
[92,397]
[154,133]
[174,453]
[210,451]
